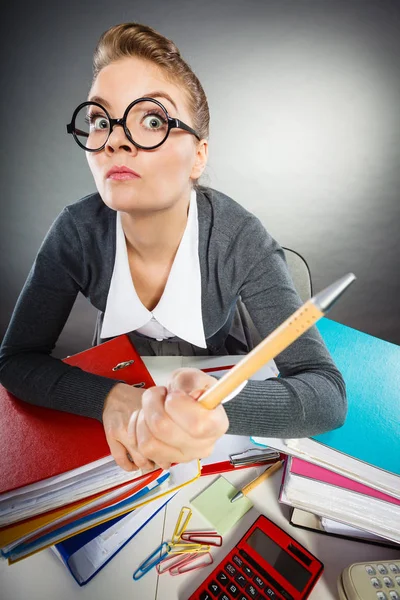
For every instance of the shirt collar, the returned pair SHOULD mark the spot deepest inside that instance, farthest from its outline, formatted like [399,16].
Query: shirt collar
[179,308]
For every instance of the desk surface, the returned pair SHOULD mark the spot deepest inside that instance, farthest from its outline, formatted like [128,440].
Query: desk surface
[43,577]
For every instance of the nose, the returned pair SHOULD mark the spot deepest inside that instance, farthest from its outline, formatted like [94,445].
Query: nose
[118,140]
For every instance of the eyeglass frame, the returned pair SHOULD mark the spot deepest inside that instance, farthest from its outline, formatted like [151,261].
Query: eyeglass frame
[173,123]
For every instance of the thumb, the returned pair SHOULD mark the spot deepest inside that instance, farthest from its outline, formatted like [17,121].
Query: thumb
[187,380]
[197,393]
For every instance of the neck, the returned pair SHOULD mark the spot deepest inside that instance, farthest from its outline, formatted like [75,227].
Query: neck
[155,236]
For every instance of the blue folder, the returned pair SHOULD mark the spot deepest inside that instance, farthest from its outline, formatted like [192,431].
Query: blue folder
[371,370]
[37,544]
[70,546]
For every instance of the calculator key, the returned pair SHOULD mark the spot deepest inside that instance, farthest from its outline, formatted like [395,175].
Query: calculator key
[233,590]
[393,595]
[381,596]
[229,568]
[375,582]
[222,578]
[214,588]
[270,593]
[251,591]
[258,581]
[241,580]
[394,568]
[370,570]
[388,582]
[243,597]
[247,571]
[223,596]
[238,561]
[382,569]
[205,596]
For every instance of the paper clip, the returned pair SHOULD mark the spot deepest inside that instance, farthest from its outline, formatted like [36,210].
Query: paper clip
[152,561]
[253,455]
[181,526]
[187,548]
[192,563]
[212,538]
[172,560]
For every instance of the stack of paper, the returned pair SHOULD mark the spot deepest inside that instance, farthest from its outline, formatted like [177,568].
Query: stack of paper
[359,484]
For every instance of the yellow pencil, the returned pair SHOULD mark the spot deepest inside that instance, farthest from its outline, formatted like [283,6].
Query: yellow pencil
[250,486]
[286,333]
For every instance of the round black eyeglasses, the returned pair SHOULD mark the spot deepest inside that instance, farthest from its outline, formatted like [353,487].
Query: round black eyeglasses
[146,124]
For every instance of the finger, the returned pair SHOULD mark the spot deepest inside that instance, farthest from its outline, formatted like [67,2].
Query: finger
[120,455]
[164,454]
[187,379]
[160,424]
[194,418]
[129,440]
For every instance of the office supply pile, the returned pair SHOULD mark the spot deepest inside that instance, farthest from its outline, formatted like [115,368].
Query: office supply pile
[346,482]
[59,485]
[57,477]
[187,550]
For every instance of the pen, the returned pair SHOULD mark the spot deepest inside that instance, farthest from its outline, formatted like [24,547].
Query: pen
[286,333]
[250,486]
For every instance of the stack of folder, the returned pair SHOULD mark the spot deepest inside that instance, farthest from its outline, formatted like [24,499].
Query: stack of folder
[57,477]
[59,485]
[351,475]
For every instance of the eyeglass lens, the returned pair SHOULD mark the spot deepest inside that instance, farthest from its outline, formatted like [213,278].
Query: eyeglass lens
[146,121]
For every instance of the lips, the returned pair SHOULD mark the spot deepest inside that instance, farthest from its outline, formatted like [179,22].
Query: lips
[121,173]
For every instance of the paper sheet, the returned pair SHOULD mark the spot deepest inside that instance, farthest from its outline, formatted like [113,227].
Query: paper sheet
[215,505]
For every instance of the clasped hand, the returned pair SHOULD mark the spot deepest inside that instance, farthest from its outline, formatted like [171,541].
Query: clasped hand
[162,425]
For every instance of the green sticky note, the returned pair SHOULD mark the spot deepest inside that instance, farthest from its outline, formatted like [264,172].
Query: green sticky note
[215,505]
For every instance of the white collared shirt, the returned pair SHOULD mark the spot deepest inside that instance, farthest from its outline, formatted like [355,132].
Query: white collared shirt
[178,313]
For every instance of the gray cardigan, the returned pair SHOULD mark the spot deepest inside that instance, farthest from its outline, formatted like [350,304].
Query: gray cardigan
[237,256]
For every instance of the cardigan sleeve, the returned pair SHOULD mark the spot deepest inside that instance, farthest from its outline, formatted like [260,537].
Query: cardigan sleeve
[26,368]
[309,397]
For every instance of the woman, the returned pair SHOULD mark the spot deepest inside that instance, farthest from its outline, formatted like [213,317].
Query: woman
[165,261]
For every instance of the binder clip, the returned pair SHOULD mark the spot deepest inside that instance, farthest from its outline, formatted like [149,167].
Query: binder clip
[152,561]
[253,455]
[212,538]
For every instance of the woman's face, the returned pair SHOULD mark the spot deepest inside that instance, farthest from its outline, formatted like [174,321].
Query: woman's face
[164,173]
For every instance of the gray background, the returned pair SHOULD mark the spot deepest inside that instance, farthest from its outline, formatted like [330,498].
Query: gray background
[305,129]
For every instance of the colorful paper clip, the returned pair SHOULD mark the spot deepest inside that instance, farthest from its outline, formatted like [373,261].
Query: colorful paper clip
[192,563]
[152,560]
[212,538]
[172,560]
[184,517]
[188,548]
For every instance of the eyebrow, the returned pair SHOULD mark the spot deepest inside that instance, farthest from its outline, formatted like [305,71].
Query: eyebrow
[156,94]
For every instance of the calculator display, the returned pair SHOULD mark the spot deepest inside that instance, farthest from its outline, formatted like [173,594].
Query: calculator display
[276,556]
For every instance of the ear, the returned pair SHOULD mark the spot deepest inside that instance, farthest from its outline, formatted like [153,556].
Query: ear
[200,159]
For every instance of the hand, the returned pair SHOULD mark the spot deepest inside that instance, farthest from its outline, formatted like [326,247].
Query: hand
[172,427]
[120,412]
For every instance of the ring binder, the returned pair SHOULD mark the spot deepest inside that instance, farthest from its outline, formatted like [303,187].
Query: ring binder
[252,455]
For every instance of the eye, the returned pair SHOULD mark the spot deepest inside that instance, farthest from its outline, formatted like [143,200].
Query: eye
[97,122]
[154,121]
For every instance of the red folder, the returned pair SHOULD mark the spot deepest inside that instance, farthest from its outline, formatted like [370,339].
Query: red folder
[37,443]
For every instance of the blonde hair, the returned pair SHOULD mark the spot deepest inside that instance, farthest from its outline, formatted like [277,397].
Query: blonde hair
[141,41]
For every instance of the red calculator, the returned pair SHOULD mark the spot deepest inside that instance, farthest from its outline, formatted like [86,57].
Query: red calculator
[267,563]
